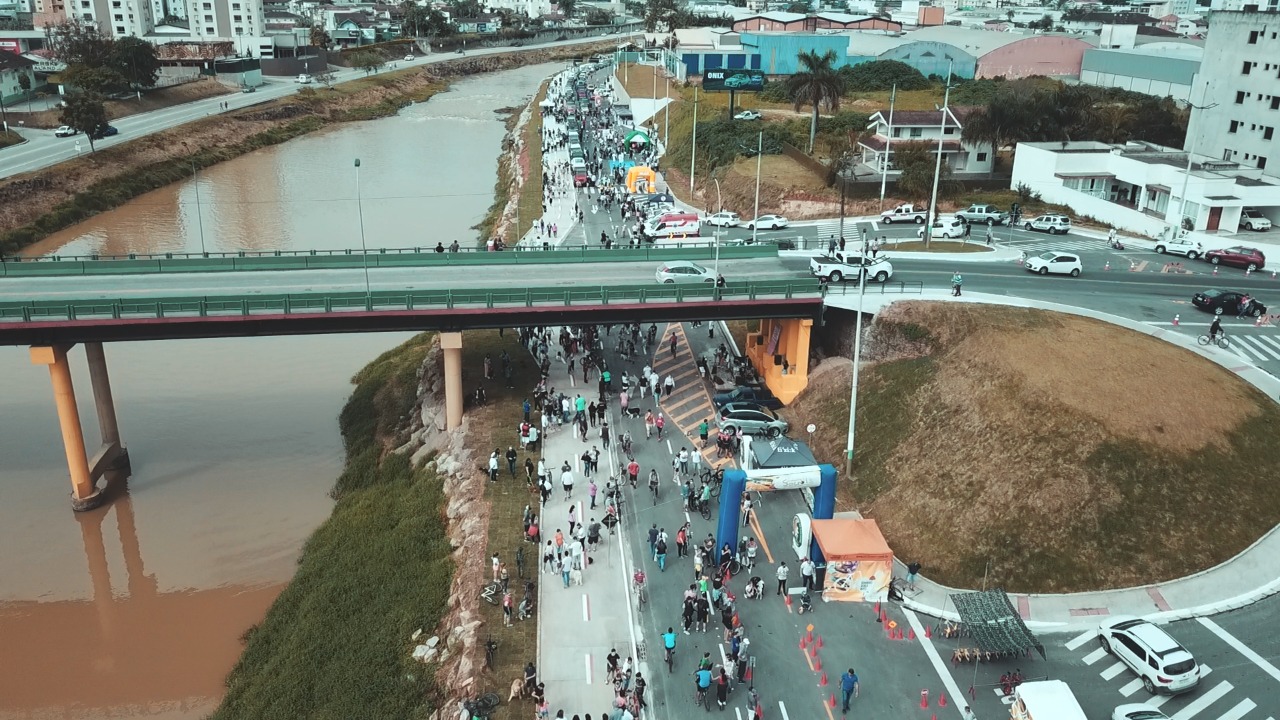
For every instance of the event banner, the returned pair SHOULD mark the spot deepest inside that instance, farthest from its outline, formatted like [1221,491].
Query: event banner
[858,580]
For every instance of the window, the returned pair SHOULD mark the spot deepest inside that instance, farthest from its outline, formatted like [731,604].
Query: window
[1239,97]
[982,157]
[1253,37]
[1244,69]
[917,132]
[209,6]
[948,130]
[1262,162]
[236,18]
[1234,124]
[119,29]
[1267,132]
[235,6]
[119,18]
[208,30]
[1275,102]
[208,18]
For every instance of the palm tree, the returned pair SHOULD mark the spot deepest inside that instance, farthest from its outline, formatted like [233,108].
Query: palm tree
[816,84]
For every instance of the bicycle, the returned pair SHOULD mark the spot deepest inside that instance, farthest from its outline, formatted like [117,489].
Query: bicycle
[490,650]
[734,566]
[704,509]
[482,706]
[637,587]
[653,490]
[701,697]
[1221,341]
[492,593]
[715,478]
[671,657]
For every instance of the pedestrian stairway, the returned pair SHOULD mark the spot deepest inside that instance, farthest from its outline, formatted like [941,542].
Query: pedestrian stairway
[691,402]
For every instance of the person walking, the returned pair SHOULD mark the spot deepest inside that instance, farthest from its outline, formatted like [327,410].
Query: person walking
[746,509]
[660,553]
[658,424]
[675,344]
[493,466]
[566,481]
[850,688]
[913,570]
[511,460]
[806,573]
[683,459]
[648,424]
[703,430]
[653,541]
[783,571]
[682,541]
[592,489]
[956,281]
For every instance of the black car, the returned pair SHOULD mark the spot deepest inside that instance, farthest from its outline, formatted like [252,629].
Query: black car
[105,131]
[1227,302]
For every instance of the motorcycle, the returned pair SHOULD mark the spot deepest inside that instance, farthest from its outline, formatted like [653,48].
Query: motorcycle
[1115,244]
[806,603]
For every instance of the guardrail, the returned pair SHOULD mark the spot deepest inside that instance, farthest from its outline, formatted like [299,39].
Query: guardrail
[55,310]
[875,288]
[248,261]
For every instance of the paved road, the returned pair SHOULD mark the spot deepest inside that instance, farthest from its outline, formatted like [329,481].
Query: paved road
[44,150]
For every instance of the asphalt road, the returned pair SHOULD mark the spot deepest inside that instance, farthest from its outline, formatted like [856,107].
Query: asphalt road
[43,150]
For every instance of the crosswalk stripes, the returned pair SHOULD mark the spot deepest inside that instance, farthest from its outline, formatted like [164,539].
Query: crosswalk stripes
[1081,639]
[1255,347]
[1031,247]
[1159,700]
[1204,700]
[1113,671]
[1240,710]
[1095,656]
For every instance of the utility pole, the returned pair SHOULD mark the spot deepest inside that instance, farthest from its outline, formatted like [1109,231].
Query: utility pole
[755,225]
[888,145]
[932,217]
[693,151]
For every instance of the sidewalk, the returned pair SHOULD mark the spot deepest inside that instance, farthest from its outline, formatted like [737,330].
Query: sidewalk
[1244,579]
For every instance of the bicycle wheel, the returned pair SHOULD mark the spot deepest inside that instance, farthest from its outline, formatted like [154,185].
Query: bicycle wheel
[1203,339]
[735,567]
[1223,342]
[705,509]
[489,701]
[715,490]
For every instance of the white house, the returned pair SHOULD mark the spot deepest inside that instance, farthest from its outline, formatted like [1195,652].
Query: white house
[926,126]
[1138,186]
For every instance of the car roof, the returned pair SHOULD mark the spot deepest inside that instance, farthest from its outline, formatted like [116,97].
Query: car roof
[745,405]
[1160,642]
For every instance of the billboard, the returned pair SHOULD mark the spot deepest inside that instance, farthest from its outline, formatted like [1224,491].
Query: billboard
[733,79]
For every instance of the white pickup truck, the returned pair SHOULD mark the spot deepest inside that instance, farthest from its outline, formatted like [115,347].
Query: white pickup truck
[1045,700]
[840,265]
[905,213]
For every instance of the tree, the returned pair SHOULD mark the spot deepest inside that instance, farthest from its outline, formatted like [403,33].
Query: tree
[100,79]
[802,7]
[369,61]
[817,84]
[915,161]
[1044,23]
[662,12]
[596,16]
[319,38]
[465,8]
[24,84]
[135,60]
[325,77]
[882,75]
[567,6]
[85,112]
[76,43]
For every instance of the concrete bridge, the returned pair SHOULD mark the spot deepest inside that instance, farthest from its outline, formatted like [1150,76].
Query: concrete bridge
[54,304]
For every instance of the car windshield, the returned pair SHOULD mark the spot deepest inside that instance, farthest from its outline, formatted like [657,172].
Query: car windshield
[696,268]
[1211,293]
[1147,715]
[1048,256]
[1181,667]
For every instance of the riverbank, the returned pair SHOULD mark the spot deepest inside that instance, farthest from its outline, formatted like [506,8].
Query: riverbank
[34,205]
[517,203]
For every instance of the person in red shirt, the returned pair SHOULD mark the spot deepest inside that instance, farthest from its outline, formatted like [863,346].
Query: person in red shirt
[633,472]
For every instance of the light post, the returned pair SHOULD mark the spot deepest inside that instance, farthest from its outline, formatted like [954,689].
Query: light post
[755,226]
[937,165]
[364,250]
[195,176]
[888,145]
[693,150]
[1186,177]
[666,112]
[857,356]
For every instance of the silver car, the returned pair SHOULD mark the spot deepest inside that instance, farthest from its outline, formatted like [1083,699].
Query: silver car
[683,271]
[752,419]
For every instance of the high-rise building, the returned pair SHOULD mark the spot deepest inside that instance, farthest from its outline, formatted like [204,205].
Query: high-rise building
[225,19]
[1236,99]
[117,18]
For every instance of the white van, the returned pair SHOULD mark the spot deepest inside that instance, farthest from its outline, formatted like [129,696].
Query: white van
[578,164]
[671,224]
[303,79]
[1045,700]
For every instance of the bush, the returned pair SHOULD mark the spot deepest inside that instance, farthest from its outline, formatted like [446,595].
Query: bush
[882,75]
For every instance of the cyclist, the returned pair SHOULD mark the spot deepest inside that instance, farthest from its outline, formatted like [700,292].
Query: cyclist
[653,484]
[704,499]
[702,683]
[669,642]
[1215,329]
[705,663]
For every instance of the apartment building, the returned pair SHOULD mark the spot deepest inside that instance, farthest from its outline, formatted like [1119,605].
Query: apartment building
[225,19]
[118,18]
[1236,101]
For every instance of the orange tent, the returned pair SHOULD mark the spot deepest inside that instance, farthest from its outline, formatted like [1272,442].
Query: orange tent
[859,561]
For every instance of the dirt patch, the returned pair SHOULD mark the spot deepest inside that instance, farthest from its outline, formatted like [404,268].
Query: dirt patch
[151,100]
[1071,454]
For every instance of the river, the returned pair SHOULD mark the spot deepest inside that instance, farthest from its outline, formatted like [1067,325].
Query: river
[136,610]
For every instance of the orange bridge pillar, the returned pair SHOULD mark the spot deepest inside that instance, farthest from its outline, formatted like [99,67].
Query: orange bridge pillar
[780,353]
[451,344]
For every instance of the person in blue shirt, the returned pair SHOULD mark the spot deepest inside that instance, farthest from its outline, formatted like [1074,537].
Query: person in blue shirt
[703,678]
[669,639]
[849,686]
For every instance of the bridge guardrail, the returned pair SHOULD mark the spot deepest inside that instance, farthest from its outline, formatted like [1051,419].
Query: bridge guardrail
[47,310]
[875,288]
[355,259]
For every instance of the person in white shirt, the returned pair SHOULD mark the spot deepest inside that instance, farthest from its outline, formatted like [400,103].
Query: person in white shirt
[566,479]
[806,573]
[683,459]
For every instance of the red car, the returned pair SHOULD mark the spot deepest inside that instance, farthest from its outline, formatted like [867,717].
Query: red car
[580,179]
[1239,256]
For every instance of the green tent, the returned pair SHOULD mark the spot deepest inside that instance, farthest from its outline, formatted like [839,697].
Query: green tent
[639,136]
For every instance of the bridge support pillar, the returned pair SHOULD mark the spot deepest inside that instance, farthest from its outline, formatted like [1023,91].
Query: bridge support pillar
[451,344]
[780,353]
[84,470]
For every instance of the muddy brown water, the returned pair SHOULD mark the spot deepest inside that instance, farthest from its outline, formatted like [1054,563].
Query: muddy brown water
[136,610]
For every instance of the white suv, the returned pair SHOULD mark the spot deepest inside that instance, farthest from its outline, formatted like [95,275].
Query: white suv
[1251,219]
[1180,246]
[724,218]
[1163,665]
[945,227]
[1052,224]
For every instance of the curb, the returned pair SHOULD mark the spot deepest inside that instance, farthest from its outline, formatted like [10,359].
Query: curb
[1233,365]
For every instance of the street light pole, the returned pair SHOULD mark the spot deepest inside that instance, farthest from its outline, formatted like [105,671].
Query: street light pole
[857,356]
[755,224]
[888,145]
[666,113]
[364,250]
[195,175]
[937,165]
[1186,177]
[693,151]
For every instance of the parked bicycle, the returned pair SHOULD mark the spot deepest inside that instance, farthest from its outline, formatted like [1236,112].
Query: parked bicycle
[715,478]
[638,589]
[482,706]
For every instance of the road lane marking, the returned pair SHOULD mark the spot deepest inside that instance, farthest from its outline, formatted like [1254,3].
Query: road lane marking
[934,659]
[1241,648]
[1081,639]
[782,710]
[1239,711]
[1260,344]
[1113,671]
[1131,688]
[764,544]
[1095,656]
[1203,701]
[586,608]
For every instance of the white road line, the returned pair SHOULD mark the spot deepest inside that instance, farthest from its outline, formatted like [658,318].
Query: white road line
[1095,656]
[1159,700]
[586,608]
[737,711]
[932,653]
[1081,639]
[783,710]
[1241,345]
[1239,711]
[587,658]
[1203,701]
[1131,688]
[1241,648]
[1112,671]
[1268,340]
[1258,341]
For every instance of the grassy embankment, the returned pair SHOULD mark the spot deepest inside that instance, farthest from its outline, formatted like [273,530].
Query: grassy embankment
[1003,435]
[9,137]
[336,641]
[530,200]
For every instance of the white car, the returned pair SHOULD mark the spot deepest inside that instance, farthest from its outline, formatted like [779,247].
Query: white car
[1052,224]
[65,131]
[1135,711]
[1251,219]
[771,222]
[1056,263]
[303,79]
[946,227]
[724,218]
[1159,661]
[747,115]
[1180,246]
[409,58]
[683,271]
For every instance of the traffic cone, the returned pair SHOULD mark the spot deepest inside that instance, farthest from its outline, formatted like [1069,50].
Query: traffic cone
[817,663]
[823,681]
[813,652]
[928,631]
[808,636]
[1175,320]
[1248,271]
[1273,274]
[924,698]
[1258,322]
[787,600]
[747,676]
[1107,266]
[1215,269]
[911,635]
[803,644]
[819,642]
[942,699]
[832,701]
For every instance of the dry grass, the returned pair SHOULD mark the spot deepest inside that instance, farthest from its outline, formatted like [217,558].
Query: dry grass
[530,200]
[739,329]
[496,425]
[1071,454]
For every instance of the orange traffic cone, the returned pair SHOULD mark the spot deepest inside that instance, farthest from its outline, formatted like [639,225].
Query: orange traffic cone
[832,701]
[813,652]
[912,634]
[803,645]
[817,663]
[942,699]
[924,698]
[928,631]
[819,642]
[823,681]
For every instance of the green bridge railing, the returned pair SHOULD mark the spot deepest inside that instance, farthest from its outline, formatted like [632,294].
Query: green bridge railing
[232,305]
[248,261]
